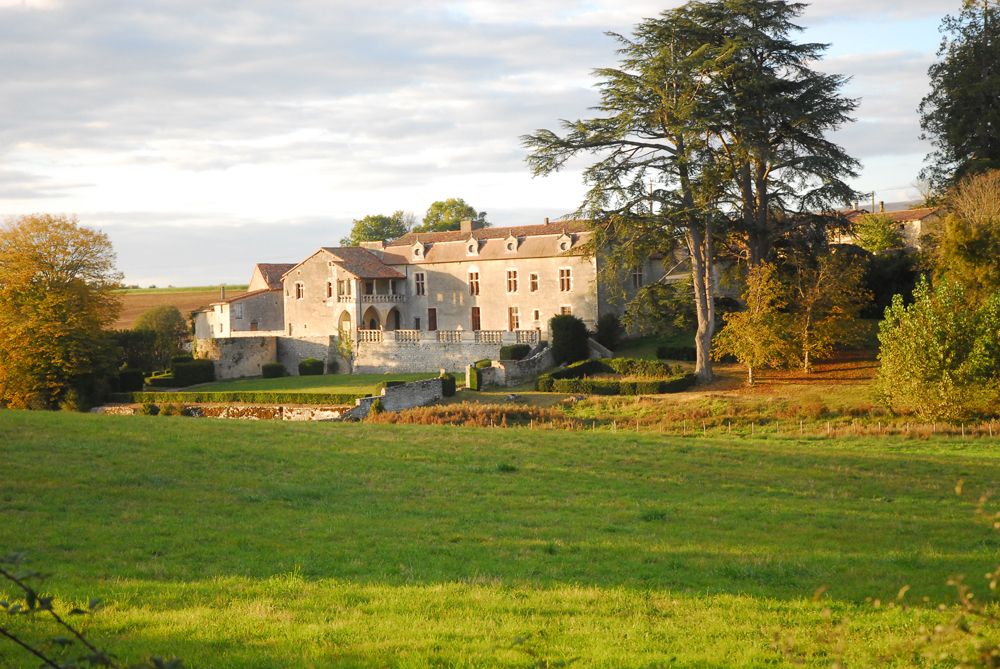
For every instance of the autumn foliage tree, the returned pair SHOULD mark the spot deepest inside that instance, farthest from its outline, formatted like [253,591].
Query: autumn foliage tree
[56,303]
[968,244]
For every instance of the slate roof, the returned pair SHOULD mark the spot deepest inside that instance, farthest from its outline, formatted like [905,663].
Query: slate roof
[362,263]
[272,272]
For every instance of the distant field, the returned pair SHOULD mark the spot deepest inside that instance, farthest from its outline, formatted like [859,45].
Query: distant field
[268,545]
[326,383]
[137,300]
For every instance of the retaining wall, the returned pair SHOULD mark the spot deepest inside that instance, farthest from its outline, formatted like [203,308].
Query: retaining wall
[419,356]
[398,398]
[236,357]
[292,350]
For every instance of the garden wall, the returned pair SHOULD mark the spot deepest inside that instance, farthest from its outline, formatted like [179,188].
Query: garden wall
[398,398]
[419,356]
[292,350]
[236,357]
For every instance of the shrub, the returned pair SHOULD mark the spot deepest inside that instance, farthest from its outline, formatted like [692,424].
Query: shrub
[674,352]
[161,380]
[310,367]
[514,352]
[609,331]
[569,339]
[637,367]
[180,358]
[192,372]
[387,384]
[481,415]
[573,378]
[376,408]
[240,397]
[171,410]
[149,409]
[448,385]
[475,378]
[130,380]
[483,364]
[272,370]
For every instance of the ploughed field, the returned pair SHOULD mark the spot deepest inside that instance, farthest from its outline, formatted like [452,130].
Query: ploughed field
[136,301]
[232,544]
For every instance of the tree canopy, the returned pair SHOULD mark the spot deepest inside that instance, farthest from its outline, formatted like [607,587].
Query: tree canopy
[169,328]
[961,114]
[713,125]
[876,233]
[445,215]
[378,227]
[57,299]
[968,243]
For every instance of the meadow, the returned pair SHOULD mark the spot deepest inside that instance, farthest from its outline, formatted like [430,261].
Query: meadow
[323,383]
[233,544]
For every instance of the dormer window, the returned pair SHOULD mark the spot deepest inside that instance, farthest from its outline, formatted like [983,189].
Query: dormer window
[418,250]
[565,242]
[510,244]
[472,246]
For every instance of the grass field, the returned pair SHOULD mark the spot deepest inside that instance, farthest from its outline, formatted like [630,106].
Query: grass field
[137,300]
[235,544]
[325,383]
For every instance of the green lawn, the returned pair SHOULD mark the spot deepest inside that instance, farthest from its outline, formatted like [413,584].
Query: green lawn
[326,383]
[254,544]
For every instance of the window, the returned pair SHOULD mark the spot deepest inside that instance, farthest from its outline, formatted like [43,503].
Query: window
[238,311]
[512,281]
[476,321]
[329,289]
[416,323]
[432,319]
[417,252]
[513,319]
[565,279]
[220,327]
[536,315]
[474,284]
[533,282]
[511,246]
[566,311]
[300,290]
[637,278]
[420,283]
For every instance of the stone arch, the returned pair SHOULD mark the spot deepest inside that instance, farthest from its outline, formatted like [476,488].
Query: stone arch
[344,322]
[371,320]
[393,319]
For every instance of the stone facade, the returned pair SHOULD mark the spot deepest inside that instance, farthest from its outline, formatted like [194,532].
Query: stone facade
[236,357]
[292,350]
[399,398]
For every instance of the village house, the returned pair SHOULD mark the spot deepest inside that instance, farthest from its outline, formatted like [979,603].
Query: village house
[425,300]
[912,224]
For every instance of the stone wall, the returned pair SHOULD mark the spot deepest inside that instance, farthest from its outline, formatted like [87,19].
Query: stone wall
[419,356]
[398,398]
[291,351]
[517,372]
[237,357]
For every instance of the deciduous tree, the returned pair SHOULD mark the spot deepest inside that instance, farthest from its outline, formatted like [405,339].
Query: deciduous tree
[170,331]
[445,215]
[968,244]
[57,299]
[876,233]
[378,227]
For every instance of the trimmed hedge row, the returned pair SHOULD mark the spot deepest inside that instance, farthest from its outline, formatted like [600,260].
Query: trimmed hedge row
[130,380]
[272,370]
[192,372]
[614,387]
[572,378]
[514,352]
[448,385]
[475,378]
[237,397]
[310,367]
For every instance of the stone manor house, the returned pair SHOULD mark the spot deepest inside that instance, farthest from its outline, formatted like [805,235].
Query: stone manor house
[418,303]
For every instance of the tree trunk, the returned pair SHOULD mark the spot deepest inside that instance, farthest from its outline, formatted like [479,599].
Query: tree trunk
[750,375]
[699,245]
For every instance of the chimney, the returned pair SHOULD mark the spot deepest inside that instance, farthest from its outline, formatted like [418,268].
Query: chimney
[546,220]
[222,292]
[881,207]
[468,225]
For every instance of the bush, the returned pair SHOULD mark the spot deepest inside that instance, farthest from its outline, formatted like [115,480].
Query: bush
[615,387]
[161,380]
[180,358]
[569,339]
[448,385]
[192,372]
[376,408]
[130,380]
[149,409]
[272,370]
[475,378]
[609,331]
[171,410]
[310,367]
[638,367]
[481,415]
[514,352]
[674,352]
[138,348]
[483,364]
[573,378]
[387,384]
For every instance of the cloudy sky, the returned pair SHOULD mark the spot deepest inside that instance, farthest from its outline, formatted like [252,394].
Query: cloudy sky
[206,136]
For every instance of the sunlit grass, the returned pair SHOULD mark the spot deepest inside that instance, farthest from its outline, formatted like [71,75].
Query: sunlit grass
[325,383]
[237,544]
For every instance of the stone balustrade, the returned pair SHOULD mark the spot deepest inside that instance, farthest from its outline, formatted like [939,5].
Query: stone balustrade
[371,336]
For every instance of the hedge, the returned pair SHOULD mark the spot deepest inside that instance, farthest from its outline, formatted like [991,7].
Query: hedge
[514,351]
[180,358]
[573,378]
[475,378]
[237,397]
[192,372]
[483,364]
[387,384]
[686,353]
[272,370]
[165,380]
[448,385]
[569,339]
[615,387]
[310,367]
[130,380]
